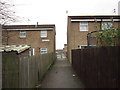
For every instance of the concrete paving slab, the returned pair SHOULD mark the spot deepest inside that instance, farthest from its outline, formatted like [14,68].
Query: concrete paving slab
[61,75]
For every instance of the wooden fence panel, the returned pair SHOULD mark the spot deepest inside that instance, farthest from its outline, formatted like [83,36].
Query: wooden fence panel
[98,67]
[75,65]
[10,70]
[24,72]
[32,72]
[118,64]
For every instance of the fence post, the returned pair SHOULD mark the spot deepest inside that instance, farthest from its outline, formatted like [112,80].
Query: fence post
[28,73]
[0,57]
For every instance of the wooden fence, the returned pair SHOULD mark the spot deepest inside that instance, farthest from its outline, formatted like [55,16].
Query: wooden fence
[24,72]
[98,67]
[0,58]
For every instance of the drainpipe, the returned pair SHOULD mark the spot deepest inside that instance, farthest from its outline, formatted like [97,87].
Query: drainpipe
[101,25]
[88,39]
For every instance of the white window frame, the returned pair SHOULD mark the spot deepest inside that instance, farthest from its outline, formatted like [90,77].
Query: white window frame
[45,40]
[43,33]
[106,25]
[32,52]
[83,26]
[43,50]
[22,34]
[82,46]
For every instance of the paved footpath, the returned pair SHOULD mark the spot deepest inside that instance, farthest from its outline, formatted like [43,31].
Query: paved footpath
[61,75]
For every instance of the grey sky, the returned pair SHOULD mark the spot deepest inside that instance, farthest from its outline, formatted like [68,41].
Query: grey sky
[119,8]
[54,12]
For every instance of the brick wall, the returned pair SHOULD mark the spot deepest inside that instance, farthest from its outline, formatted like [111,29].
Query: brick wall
[32,38]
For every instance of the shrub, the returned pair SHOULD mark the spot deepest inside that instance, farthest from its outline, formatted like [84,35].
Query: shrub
[109,37]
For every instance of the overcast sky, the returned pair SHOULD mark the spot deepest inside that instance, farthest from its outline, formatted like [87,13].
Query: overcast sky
[54,12]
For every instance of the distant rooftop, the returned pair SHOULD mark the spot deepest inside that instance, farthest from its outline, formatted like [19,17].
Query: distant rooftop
[18,48]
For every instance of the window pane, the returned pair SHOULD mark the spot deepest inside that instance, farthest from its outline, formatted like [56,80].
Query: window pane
[43,50]
[83,26]
[83,23]
[22,34]
[106,25]
[43,34]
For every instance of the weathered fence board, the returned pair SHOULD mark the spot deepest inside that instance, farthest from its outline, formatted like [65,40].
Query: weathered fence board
[10,68]
[98,67]
[24,72]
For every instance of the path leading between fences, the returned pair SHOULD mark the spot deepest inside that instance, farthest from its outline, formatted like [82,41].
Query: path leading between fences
[61,75]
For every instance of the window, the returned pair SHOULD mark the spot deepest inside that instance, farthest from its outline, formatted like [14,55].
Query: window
[43,33]
[22,34]
[81,46]
[43,50]
[106,25]
[83,26]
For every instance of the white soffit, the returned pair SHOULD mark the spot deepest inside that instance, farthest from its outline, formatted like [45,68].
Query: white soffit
[85,20]
[110,19]
[82,20]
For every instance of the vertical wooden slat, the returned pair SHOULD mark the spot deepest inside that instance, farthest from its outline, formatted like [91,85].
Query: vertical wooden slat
[10,70]
[22,72]
[98,67]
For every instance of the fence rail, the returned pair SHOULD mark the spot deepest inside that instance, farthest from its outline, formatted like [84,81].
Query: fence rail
[98,67]
[24,72]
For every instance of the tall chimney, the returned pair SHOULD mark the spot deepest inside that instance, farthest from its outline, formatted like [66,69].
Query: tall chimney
[37,23]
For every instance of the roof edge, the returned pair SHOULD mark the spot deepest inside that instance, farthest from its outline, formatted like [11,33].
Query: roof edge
[28,26]
[94,16]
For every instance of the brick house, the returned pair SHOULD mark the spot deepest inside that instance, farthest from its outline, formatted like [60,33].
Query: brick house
[41,38]
[65,50]
[79,26]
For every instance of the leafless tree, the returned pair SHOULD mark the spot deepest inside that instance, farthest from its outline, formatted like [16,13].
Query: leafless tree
[7,15]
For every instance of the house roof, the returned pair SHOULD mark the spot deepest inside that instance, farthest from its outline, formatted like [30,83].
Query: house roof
[29,27]
[95,18]
[18,48]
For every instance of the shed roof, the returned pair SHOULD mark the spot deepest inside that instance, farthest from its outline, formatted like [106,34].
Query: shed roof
[18,48]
